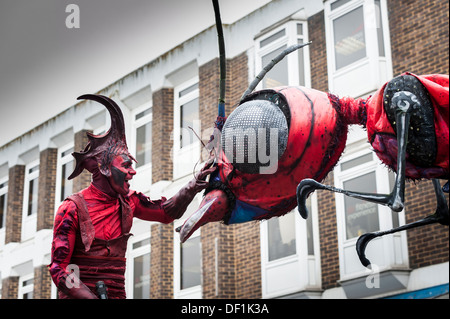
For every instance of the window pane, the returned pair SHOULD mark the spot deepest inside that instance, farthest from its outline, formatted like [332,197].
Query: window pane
[190,263]
[338,3]
[301,65]
[361,216]
[144,144]
[143,113]
[379,28]
[28,295]
[189,114]
[278,76]
[32,196]
[190,89]
[66,153]
[281,236]
[272,38]
[357,161]
[309,229]
[141,289]
[141,243]
[2,209]
[349,39]
[395,219]
[66,184]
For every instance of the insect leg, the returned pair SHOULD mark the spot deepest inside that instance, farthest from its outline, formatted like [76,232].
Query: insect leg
[402,102]
[440,216]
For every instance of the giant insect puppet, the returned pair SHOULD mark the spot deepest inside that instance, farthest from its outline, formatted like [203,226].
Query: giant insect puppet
[407,123]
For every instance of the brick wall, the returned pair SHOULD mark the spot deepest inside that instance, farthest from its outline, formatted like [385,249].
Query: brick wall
[10,288]
[427,245]
[329,253]
[419,36]
[42,283]
[84,179]
[162,127]
[161,261]
[248,260]
[13,228]
[218,261]
[47,185]
[318,52]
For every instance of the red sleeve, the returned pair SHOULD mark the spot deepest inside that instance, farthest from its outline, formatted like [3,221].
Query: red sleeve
[150,210]
[64,232]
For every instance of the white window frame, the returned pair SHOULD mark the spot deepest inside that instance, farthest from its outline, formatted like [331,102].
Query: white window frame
[298,272]
[185,158]
[4,191]
[387,252]
[144,172]
[62,160]
[134,253]
[29,222]
[194,292]
[369,73]
[25,289]
[145,119]
[290,38]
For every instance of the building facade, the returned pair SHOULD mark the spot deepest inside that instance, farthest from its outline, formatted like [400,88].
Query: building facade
[357,46]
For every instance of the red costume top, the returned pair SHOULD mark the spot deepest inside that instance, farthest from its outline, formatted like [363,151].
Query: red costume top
[96,242]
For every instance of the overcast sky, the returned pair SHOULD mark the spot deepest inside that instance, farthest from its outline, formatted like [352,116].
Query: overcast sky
[44,65]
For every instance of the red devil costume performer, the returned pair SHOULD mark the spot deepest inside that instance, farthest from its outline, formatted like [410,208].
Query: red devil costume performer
[92,227]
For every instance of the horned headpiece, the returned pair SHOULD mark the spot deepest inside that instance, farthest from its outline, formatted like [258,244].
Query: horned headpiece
[103,147]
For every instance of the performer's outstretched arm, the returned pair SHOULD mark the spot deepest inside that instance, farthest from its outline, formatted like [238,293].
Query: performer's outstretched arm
[167,210]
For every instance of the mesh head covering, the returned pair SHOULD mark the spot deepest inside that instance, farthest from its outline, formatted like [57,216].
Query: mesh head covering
[103,148]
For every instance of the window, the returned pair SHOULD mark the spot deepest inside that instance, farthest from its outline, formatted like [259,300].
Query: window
[65,168]
[360,216]
[141,269]
[186,149]
[360,170]
[188,259]
[349,38]
[143,128]
[187,100]
[358,45]
[281,236]
[289,253]
[3,202]
[30,200]
[33,184]
[294,68]
[26,284]
[190,263]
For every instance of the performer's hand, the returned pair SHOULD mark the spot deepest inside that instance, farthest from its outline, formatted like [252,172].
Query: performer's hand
[177,204]
[199,181]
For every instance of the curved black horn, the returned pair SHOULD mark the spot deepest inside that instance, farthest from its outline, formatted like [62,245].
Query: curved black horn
[117,121]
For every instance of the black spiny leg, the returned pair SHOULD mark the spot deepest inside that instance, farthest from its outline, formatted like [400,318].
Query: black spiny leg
[440,216]
[403,103]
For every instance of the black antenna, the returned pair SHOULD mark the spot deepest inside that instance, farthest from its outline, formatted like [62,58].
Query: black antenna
[223,71]
[270,65]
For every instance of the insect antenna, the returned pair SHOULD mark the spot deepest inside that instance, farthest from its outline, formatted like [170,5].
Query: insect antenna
[270,65]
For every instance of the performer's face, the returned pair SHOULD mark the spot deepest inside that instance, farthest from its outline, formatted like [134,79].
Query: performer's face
[121,172]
